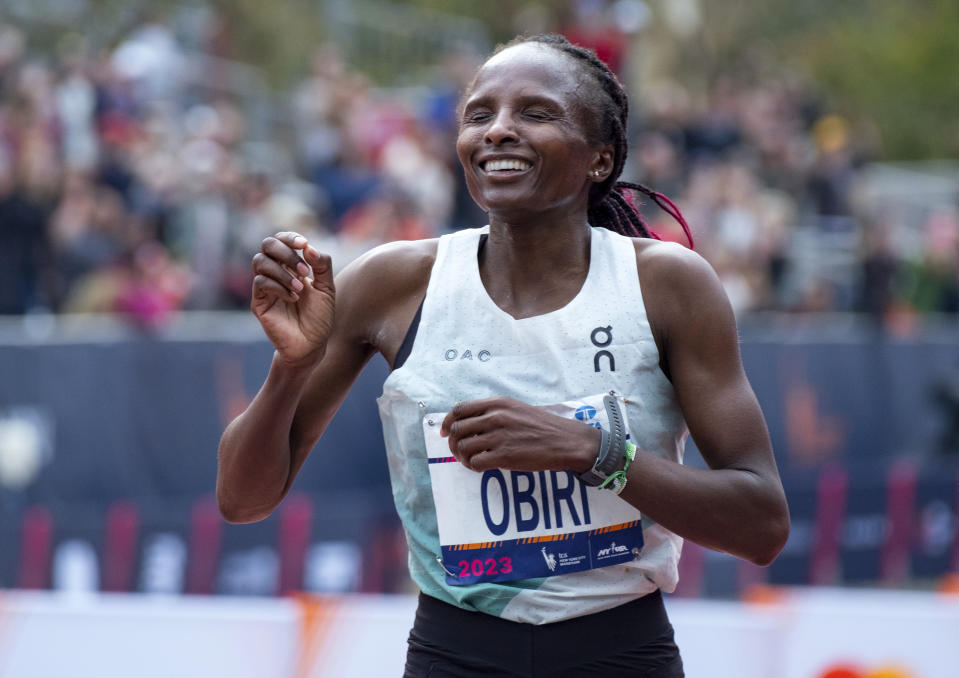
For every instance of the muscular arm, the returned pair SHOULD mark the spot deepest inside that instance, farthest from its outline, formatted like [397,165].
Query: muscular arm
[263,449]
[737,505]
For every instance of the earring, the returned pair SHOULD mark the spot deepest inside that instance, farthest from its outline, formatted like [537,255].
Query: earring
[596,173]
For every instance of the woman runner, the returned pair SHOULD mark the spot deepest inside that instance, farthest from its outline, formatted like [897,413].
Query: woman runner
[546,370]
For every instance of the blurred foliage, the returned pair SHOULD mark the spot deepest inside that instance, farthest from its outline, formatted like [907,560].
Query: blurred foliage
[276,36]
[899,63]
[895,63]
[497,15]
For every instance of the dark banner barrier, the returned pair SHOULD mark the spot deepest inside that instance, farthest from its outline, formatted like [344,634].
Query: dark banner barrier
[112,444]
[855,401]
[143,418]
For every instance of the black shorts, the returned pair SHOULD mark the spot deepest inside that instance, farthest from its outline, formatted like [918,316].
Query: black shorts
[635,639]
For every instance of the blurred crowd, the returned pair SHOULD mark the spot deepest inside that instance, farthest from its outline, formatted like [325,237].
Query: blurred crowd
[778,192]
[126,188]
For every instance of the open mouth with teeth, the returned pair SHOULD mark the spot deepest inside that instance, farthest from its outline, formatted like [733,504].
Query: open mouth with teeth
[505,166]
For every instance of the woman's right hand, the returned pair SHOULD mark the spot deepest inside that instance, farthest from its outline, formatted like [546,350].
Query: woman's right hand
[292,298]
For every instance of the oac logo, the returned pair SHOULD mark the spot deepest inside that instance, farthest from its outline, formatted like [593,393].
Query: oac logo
[452,354]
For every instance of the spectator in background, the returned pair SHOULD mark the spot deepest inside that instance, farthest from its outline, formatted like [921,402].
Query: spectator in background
[318,133]
[412,163]
[29,174]
[932,279]
[151,286]
[659,161]
[945,394]
[880,272]
[438,126]
[831,176]
[90,238]
[349,177]
[717,130]
[591,26]
[150,58]
[76,101]
[391,215]
[24,265]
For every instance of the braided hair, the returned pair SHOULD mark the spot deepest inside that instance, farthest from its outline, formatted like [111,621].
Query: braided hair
[610,204]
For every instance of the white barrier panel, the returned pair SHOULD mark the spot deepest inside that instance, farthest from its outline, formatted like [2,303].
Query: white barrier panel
[354,637]
[801,634]
[727,639]
[913,634]
[51,635]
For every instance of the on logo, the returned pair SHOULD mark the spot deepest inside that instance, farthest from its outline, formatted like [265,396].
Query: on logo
[601,338]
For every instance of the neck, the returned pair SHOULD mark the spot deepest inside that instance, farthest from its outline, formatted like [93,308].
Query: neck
[535,268]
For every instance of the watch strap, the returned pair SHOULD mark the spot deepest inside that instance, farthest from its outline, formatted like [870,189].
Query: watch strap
[612,447]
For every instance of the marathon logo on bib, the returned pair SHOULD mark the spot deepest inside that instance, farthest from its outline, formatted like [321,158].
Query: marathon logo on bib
[502,525]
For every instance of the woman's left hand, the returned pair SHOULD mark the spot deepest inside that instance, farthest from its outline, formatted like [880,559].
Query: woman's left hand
[506,433]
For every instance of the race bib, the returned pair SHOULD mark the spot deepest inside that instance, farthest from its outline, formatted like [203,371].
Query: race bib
[501,525]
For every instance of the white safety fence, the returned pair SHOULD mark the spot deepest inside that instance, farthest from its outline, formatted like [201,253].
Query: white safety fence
[792,634]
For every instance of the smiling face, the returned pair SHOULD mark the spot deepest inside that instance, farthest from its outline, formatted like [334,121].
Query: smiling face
[523,141]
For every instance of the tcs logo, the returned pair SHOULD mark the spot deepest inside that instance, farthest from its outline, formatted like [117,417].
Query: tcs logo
[587,415]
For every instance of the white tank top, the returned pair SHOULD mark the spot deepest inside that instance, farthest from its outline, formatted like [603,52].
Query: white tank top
[466,347]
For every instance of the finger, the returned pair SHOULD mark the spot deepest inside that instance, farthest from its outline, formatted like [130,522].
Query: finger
[467,449]
[483,461]
[270,268]
[322,268]
[284,252]
[291,239]
[466,409]
[267,288]
[466,428]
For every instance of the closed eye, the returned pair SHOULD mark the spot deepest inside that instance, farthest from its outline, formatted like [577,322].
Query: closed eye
[476,116]
[538,114]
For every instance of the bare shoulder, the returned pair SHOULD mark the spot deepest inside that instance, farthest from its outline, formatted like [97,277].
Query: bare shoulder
[377,294]
[401,263]
[674,270]
[386,275]
[684,299]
